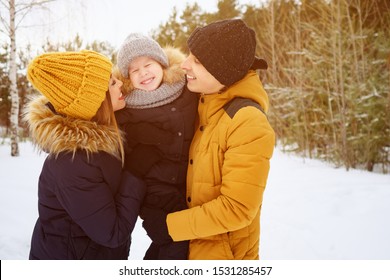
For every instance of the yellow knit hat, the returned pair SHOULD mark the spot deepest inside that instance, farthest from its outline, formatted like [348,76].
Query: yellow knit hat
[74,82]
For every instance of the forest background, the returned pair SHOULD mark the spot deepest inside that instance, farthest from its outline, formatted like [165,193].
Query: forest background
[328,78]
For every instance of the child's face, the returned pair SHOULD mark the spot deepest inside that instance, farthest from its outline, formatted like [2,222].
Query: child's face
[198,78]
[117,99]
[145,73]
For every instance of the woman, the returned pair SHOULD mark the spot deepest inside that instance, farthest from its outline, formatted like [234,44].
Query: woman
[88,205]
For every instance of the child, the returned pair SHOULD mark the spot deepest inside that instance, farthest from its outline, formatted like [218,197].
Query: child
[155,94]
[88,205]
[231,150]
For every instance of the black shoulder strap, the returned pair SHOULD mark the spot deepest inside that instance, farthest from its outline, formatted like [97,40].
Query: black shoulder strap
[232,107]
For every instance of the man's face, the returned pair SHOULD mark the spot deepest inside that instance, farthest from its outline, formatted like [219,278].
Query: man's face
[198,78]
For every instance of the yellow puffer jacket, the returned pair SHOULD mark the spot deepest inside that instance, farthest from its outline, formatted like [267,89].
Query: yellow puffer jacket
[227,175]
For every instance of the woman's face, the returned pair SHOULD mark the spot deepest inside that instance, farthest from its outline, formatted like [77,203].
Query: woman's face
[117,99]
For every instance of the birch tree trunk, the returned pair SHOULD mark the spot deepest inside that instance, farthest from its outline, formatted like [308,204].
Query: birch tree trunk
[14,114]
[22,8]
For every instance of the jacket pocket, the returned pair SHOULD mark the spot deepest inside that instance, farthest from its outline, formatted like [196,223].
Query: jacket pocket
[216,162]
[78,243]
[239,242]
[79,247]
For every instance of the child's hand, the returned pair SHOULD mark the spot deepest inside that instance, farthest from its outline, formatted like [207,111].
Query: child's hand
[155,225]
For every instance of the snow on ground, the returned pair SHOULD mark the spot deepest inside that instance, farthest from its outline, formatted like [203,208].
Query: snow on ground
[311,210]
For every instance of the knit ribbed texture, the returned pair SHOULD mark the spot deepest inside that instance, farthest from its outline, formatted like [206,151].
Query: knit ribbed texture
[225,48]
[74,82]
[165,94]
[136,45]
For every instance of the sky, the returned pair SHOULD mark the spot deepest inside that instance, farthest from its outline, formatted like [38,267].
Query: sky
[103,20]
[311,210]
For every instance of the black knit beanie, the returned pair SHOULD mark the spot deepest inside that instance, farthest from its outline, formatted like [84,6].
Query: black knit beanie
[226,49]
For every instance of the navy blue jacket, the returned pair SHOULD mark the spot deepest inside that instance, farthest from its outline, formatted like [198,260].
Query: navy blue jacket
[88,205]
[178,120]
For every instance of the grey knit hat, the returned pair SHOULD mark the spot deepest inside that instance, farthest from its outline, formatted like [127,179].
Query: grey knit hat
[136,45]
[226,49]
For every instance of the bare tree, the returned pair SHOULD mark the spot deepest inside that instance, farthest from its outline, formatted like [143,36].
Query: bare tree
[15,10]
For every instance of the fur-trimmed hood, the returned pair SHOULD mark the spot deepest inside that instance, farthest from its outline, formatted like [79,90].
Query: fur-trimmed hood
[54,133]
[172,74]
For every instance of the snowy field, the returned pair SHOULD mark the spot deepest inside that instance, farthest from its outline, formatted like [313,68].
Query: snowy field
[311,211]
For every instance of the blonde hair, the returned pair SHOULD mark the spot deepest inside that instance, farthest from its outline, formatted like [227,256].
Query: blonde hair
[105,116]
